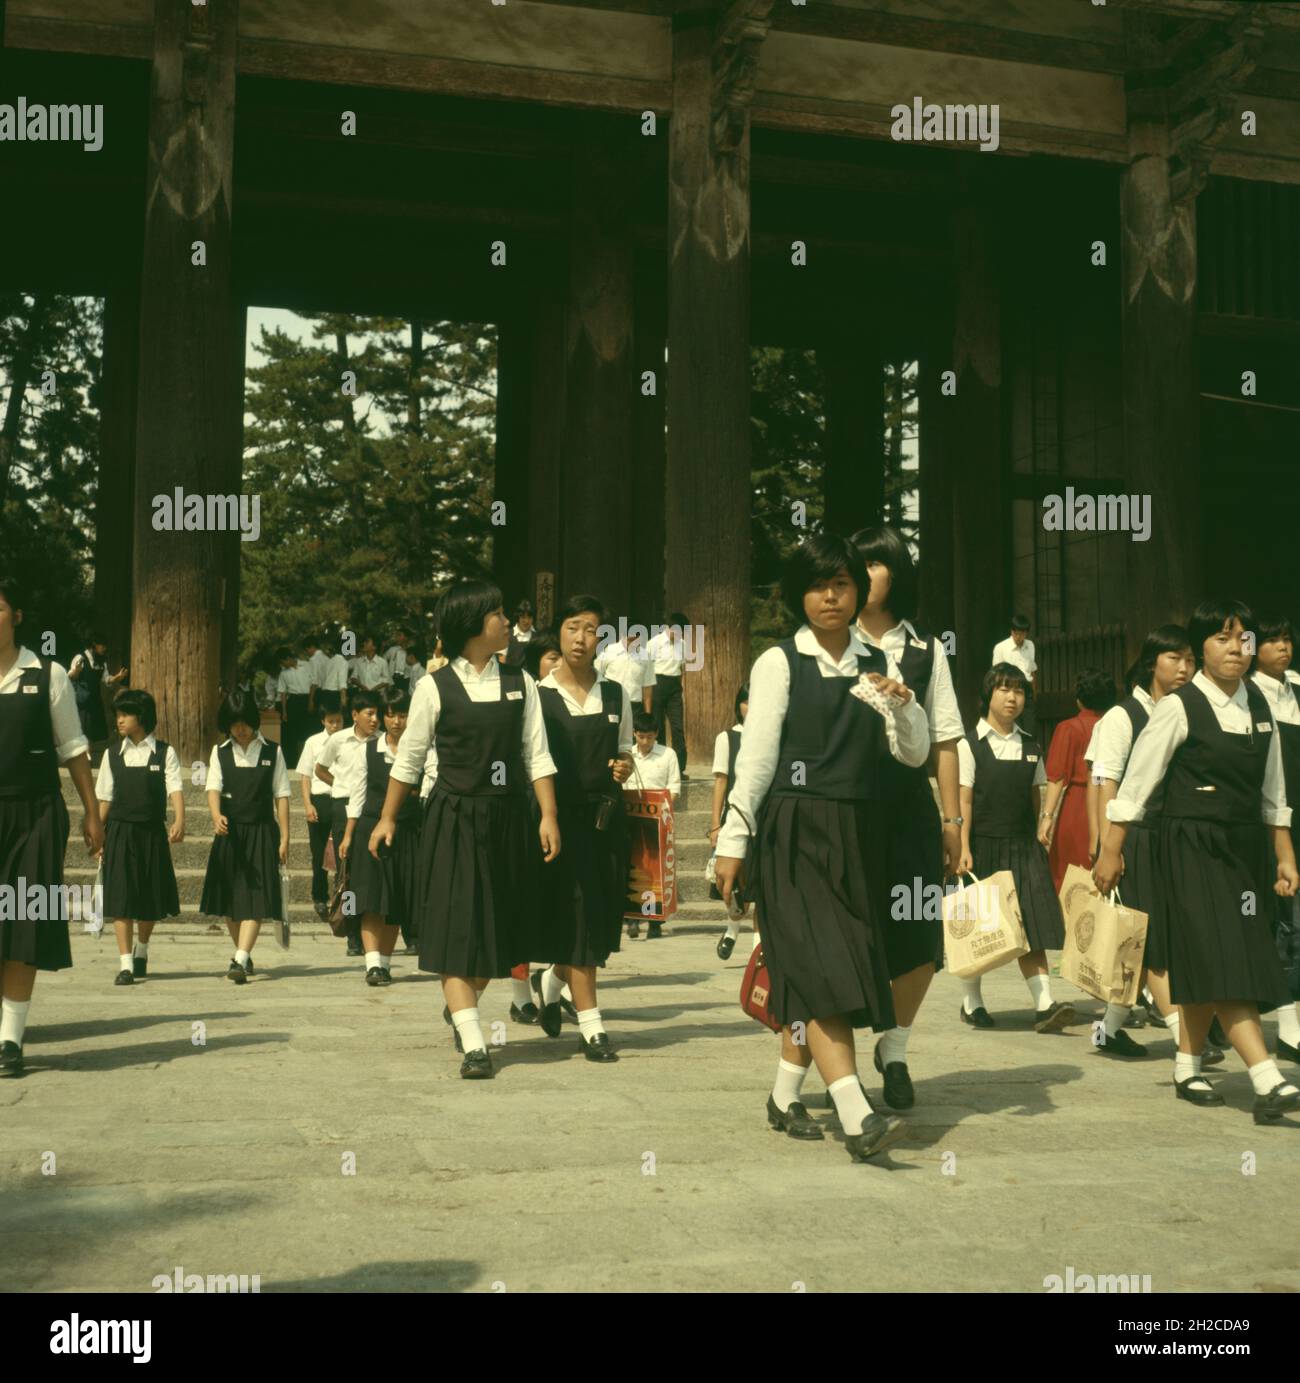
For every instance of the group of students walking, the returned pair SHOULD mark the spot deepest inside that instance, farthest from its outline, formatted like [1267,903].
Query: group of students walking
[480,815]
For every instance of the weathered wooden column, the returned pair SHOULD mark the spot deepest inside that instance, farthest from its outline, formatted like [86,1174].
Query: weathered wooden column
[1176,107]
[115,496]
[545,452]
[188,424]
[707,505]
[936,467]
[599,390]
[981,539]
[510,471]
[648,461]
[854,475]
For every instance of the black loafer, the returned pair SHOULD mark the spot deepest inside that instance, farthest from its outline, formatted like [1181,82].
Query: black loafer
[1216,1037]
[374,976]
[386,975]
[1273,1106]
[237,973]
[795,1121]
[655,932]
[1183,1089]
[634,930]
[570,1012]
[528,1013]
[124,977]
[726,946]
[1211,1056]
[355,950]
[878,1133]
[446,1014]
[598,1049]
[139,966]
[1054,1018]
[248,966]
[549,1017]
[899,1093]
[981,1018]
[1287,1052]
[476,1066]
[1136,1019]
[1154,1016]
[11,1060]
[1120,1045]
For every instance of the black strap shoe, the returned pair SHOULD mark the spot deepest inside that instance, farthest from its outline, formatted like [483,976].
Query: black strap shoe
[11,1060]
[374,976]
[598,1049]
[634,930]
[899,1093]
[795,1121]
[1216,1037]
[528,1013]
[548,1015]
[124,977]
[140,966]
[981,1018]
[1186,1090]
[446,1015]
[1273,1105]
[237,972]
[726,946]
[476,1066]
[570,1012]
[1286,1052]
[1211,1056]
[655,932]
[878,1133]
[248,966]
[386,976]
[1054,1018]
[1121,1045]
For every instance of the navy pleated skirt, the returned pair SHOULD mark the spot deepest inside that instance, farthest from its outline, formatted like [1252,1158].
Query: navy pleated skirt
[139,880]
[388,885]
[915,844]
[820,886]
[583,890]
[477,884]
[1217,911]
[33,841]
[1138,888]
[1025,858]
[243,876]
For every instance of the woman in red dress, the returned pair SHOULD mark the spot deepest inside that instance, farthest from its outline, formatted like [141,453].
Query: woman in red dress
[1068,838]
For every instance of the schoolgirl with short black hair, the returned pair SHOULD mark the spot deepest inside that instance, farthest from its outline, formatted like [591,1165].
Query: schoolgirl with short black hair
[316,805]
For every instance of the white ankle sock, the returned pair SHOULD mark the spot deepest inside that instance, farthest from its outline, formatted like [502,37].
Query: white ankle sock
[1288,1024]
[972,998]
[1174,1023]
[471,1035]
[754,947]
[1148,996]
[893,1045]
[1113,1019]
[1189,1068]
[1040,987]
[13,1019]
[124,961]
[141,949]
[589,1023]
[242,957]
[789,1082]
[385,962]
[521,992]
[733,930]
[851,1104]
[1265,1075]
[551,986]
[372,960]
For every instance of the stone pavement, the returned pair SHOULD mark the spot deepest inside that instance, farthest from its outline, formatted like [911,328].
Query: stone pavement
[1025,1154]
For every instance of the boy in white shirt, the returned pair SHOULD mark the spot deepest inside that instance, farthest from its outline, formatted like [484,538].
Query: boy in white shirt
[332,689]
[653,766]
[626,664]
[341,759]
[1018,650]
[370,671]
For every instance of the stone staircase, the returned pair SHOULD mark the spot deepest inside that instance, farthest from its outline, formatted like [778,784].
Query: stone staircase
[696,911]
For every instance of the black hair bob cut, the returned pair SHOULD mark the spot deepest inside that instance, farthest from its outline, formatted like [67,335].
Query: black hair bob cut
[461,611]
[1168,638]
[644,721]
[582,605]
[1000,675]
[1273,625]
[135,701]
[364,699]
[742,695]
[239,708]
[818,558]
[1210,616]
[1095,690]
[886,545]
[15,596]
[543,641]
[396,702]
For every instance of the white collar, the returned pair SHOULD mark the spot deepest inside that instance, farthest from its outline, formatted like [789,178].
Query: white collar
[650,754]
[466,668]
[549,681]
[1144,698]
[984,728]
[149,742]
[1218,697]
[805,641]
[256,740]
[1275,686]
[738,726]
[25,659]
[908,628]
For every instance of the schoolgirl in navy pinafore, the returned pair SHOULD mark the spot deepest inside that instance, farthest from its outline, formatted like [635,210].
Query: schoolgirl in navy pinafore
[733,750]
[33,820]
[584,889]
[387,886]
[915,835]
[139,880]
[1139,884]
[1002,836]
[1212,850]
[477,873]
[243,876]
[820,859]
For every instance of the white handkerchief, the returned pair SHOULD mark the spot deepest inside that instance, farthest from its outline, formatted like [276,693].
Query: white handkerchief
[878,701]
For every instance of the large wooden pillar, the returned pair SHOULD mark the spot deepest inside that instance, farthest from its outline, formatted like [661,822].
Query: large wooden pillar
[853,367]
[599,398]
[936,467]
[648,462]
[981,540]
[707,505]
[188,425]
[545,452]
[510,470]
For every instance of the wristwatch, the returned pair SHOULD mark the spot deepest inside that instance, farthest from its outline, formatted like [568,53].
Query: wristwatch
[953,820]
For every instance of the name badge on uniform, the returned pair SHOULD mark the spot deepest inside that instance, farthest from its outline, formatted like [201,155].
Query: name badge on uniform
[155,768]
[613,717]
[1031,758]
[513,695]
[1263,726]
[918,643]
[31,691]
[264,763]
